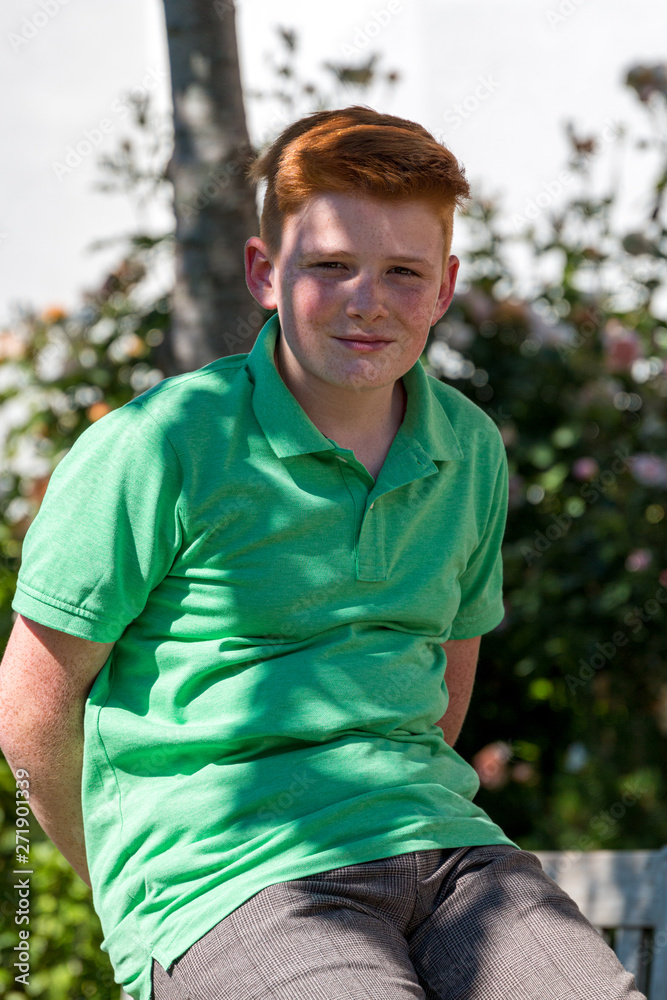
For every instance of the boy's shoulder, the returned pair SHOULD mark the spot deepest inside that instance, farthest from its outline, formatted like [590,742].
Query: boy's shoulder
[469,421]
[183,401]
[213,377]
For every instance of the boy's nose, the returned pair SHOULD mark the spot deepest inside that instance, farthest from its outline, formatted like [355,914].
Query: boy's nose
[366,301]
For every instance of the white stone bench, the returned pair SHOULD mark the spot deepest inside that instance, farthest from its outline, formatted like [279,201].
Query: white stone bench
[624,895]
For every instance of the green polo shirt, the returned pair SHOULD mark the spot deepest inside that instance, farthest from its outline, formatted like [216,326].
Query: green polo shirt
[269,708]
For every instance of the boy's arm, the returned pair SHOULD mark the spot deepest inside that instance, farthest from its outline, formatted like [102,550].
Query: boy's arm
[45,677]
[462,657]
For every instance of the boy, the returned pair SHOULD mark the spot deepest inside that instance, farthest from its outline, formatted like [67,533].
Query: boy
[249,582]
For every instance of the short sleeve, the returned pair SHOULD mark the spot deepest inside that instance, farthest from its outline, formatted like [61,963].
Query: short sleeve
[107,531]
[481,607]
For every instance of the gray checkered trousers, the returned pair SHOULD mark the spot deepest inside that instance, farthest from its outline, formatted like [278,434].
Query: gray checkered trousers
[470,923]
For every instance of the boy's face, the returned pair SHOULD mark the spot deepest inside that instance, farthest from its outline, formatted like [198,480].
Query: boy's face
[351,266]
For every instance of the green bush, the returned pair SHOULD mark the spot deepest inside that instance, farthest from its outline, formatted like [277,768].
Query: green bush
[569,715]
[66,372]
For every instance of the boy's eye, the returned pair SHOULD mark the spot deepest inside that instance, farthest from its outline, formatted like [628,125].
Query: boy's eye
[335,264]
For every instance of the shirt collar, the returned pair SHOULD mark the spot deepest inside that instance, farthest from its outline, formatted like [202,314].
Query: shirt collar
[290,431]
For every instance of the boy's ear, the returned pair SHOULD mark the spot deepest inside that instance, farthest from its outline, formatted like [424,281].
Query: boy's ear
[447,287]
[259,273]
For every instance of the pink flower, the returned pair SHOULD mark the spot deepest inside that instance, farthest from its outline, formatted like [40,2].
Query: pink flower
[648,470]
[491,764]
[622,346]
[638,560]
[480,306]
[585,468]
[523,772]
[11,346]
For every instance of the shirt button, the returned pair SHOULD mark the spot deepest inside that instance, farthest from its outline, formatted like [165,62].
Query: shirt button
[342,459]
[372,505]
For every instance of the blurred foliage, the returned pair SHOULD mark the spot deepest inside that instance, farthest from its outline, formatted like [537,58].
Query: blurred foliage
[65,934]
[568,721]
[59,374]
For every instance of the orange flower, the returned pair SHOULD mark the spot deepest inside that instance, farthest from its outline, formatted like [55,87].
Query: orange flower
[53,314]
[134,346]
[98,410]
[38,488]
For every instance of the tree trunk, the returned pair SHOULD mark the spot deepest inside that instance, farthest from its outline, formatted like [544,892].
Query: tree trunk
[213,313]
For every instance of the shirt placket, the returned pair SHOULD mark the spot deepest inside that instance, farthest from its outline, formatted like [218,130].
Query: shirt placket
[370,515]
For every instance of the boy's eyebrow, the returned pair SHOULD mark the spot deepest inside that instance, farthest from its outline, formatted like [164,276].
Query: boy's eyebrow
[310,255]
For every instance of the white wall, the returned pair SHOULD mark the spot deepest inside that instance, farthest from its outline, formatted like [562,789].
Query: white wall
[517,68]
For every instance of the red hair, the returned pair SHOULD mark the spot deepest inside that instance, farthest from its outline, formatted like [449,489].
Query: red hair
[356,150]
